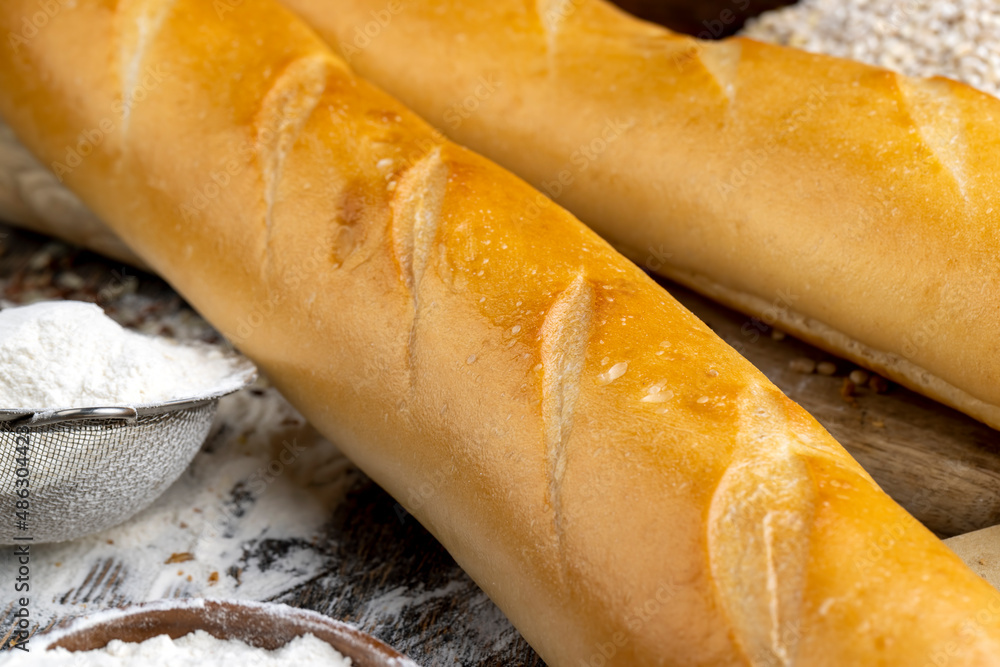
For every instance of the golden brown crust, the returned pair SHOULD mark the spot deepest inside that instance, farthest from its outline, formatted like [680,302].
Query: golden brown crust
[622,483]
[868,196]
[780,313]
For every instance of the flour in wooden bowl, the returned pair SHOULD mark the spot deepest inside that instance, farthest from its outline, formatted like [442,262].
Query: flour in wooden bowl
[196,648]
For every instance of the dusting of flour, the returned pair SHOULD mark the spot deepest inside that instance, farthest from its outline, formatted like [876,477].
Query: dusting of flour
[264,477]
[69,354]
[197,648]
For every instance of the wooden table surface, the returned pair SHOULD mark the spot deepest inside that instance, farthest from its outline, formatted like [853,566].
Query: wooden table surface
[368,564]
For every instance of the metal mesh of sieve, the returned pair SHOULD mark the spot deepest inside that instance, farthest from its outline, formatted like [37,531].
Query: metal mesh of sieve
[89,474]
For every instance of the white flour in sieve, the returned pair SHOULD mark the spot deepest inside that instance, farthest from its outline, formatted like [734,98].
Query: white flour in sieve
[69,354]
[197,648]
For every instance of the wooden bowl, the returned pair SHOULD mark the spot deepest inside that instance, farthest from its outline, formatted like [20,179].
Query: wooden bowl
[264,625]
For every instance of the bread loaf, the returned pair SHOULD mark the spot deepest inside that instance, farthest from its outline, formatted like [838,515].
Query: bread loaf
[848,205]
[627,488]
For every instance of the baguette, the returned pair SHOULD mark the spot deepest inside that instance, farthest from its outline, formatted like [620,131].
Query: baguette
[626,487]
[848,205]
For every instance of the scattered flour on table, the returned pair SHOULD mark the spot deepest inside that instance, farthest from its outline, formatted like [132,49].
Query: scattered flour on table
[197,648]
[264,479]
[959,39]
[69,354]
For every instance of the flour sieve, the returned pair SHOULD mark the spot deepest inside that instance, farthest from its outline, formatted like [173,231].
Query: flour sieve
[73,472]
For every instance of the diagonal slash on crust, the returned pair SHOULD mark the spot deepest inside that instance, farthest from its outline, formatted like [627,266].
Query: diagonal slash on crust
[416,214]
[759,527]
[564,336]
